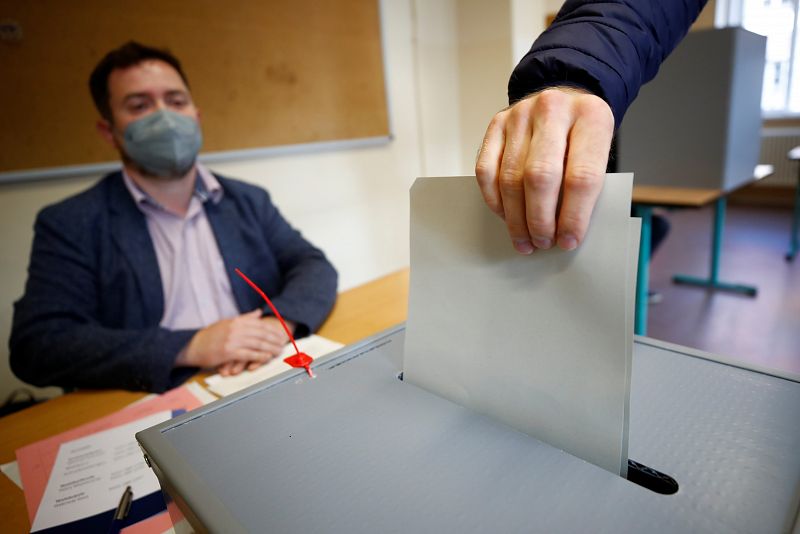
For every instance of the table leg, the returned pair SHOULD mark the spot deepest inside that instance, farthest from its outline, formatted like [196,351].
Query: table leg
[794,242]
[712,282]
[643,272]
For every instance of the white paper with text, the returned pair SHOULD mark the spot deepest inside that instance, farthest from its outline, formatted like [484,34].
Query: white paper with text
[91,473]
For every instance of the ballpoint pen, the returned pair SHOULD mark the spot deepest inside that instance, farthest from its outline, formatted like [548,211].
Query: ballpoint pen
[122,510]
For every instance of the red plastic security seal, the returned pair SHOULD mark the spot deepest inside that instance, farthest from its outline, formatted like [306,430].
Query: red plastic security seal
[299,359]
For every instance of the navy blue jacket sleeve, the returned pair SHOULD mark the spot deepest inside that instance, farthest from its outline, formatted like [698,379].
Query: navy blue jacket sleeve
[61,335]
[309,280]
[296,275]
[610,48]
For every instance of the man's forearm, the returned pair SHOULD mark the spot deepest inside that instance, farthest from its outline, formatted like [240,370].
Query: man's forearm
[91,356]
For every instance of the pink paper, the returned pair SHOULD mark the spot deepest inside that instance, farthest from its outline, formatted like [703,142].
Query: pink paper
[36,460]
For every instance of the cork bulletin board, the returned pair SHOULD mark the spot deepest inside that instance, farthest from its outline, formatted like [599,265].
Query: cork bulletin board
[264,73]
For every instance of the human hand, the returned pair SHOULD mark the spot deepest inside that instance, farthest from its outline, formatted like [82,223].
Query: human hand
[244,339]
[553,141]
[237,366]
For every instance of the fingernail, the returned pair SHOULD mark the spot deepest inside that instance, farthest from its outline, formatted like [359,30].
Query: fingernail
[523,246]
[567,242]
[542,242]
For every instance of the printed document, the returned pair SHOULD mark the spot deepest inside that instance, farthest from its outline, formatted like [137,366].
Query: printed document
[91,473]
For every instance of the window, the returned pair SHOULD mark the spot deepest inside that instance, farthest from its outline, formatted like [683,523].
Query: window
[778,21]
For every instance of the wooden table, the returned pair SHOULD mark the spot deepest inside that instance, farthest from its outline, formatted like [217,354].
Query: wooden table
[645,198]
[358,313]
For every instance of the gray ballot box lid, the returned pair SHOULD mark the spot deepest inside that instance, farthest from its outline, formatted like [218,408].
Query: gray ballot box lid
[358,450]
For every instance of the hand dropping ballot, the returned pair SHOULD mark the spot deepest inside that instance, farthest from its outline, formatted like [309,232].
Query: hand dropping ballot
[543,342]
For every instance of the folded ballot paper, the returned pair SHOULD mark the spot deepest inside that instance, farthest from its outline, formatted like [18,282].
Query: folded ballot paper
[540,342]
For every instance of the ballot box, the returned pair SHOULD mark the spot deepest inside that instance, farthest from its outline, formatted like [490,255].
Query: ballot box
[357,449]
[698,123]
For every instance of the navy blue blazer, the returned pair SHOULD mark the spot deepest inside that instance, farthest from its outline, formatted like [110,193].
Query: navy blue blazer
[93,301]
[610,48]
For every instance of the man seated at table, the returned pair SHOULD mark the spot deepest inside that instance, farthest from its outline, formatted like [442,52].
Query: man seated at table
[131,283]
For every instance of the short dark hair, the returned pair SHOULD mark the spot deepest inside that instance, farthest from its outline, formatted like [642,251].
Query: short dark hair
[127,55]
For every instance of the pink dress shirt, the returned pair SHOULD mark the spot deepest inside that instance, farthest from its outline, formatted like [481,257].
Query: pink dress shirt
[197,291]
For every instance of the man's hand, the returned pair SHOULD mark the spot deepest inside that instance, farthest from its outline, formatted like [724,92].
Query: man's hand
[232,344]
[555,140]
[237,366]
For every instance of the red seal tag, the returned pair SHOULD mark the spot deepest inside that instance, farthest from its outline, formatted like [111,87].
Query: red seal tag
[300,359]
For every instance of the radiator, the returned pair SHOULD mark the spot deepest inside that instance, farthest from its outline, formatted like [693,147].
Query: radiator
[775,144]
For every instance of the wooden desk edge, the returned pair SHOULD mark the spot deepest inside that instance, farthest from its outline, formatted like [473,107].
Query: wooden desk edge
[690,197]
[674,196]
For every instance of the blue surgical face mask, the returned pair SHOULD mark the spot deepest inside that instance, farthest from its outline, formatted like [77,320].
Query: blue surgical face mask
[163,143]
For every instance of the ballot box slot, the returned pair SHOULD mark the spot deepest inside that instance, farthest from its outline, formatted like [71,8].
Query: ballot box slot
[650,478]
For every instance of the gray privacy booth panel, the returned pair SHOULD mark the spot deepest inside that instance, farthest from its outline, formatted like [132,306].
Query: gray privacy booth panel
[698,123]
[358,450]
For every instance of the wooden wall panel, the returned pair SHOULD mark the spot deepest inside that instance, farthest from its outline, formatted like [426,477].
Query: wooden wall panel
[263,72]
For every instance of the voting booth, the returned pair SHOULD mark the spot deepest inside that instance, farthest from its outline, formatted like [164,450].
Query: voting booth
[698,123]
[358,449]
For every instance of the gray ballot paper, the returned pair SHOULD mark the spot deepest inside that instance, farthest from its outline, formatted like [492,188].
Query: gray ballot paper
[540,342]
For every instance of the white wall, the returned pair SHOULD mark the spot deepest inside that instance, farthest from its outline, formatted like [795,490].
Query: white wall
[438,85]
[447,64]
[485,61]
[464,57]
[527,21]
